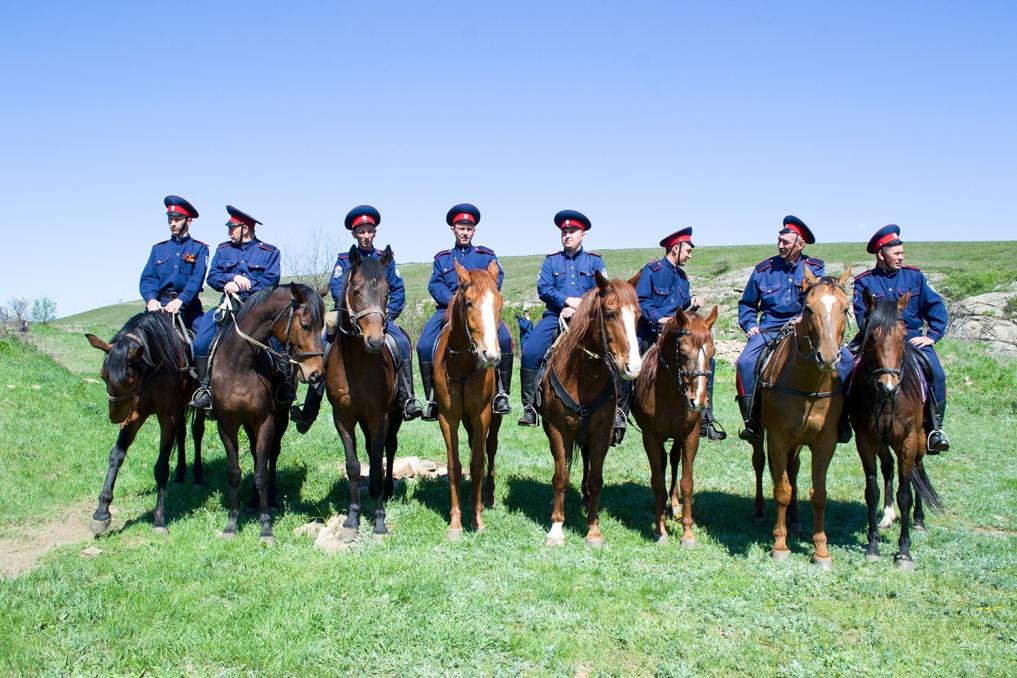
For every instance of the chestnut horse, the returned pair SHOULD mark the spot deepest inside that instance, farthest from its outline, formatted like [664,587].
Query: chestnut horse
[886,405]
[801,404]
[578,394]
[360,379]
[146,370]
[465,357]
[243,383]
[670,396]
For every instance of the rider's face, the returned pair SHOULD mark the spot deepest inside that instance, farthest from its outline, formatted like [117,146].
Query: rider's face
[364,235]
[572,238]
[178,225]
[892,258]
[684,253]
[463,231]
[789,244]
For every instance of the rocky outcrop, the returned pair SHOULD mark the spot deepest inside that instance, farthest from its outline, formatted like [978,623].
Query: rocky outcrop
[990,318]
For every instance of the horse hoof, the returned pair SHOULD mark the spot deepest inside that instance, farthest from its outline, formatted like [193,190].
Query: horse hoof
[688,542]
[99,527]
[267,540]
[453,534]
[348,533]
[780,555]
[903,563]
[160,529]
[919,527]
[595,542]
[824,564]
[661,539]
[555,541]
[228,534]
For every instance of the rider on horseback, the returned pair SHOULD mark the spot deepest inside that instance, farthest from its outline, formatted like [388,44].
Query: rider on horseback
[175,271]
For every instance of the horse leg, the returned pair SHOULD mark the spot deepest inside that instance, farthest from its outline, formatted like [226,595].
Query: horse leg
[794,464]
[228,434]
[478,457]
[886,468]
[598,451]
[758,465]
[380,476]
[584,485]
[656,456]
[867,451]
[560,481]
[821,457]
[450,431]
[262,442]
[905,466]
[170,428]
[348,436]
[778,451]
[197,433]
[395,420]
[676,462]
[181,439]
[101,519]
[919,503]
[689,450]
[492,450]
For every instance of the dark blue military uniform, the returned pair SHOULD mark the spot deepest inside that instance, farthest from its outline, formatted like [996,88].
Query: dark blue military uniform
[396,293]
[926,306]
[561,276]
[444,283]
[662,289]
[774,294]
[256,260]
[176,270]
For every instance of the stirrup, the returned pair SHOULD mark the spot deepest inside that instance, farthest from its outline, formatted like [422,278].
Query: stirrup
[712,430]
[501,404]
[430,411]
[411,409]
[942,444]
[528,417]
[201,399]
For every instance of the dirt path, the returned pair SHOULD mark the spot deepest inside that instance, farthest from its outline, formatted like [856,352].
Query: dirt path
[21,550]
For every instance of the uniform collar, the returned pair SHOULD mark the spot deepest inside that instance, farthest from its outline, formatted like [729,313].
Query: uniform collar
[464,250]
[249,244]
[884,272]
[367,253]
[180,240]
[573,256]
[787,265]
[674,267]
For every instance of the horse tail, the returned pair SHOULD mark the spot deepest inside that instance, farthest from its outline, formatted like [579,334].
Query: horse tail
[923,487]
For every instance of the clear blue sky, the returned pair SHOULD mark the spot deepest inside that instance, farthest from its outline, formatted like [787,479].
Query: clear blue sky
[645,116]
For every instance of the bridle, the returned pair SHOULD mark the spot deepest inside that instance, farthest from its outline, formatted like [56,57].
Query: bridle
[812,356]
[461,301]
[347,310]
[146,377]
[287,352]
[683,377]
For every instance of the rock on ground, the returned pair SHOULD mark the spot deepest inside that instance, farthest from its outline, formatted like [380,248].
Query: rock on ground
[990,318]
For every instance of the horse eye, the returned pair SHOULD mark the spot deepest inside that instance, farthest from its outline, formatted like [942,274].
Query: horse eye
[610,315]
[469,304]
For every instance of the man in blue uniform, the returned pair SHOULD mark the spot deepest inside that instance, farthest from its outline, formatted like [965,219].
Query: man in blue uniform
[175,271]
[564,278]
[525,327]
[662,289]
[462,220]
[891,279]
[772,297]
[241,266]
[362,222]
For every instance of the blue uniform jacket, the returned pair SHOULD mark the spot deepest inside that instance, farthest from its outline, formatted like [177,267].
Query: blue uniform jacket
[444,279]
[396,287]
[562,276]
[256,260]
[925,305]
[662,289]
[774,291]
[177,266]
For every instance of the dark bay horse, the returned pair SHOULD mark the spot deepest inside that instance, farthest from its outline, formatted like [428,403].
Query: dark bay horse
[578,395]
[669,397]
[360,379]
[886,405]
[466,355]
[802,402]
[243,387]
[146,373]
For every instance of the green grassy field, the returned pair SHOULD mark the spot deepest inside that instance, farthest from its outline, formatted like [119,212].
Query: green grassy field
[499,602]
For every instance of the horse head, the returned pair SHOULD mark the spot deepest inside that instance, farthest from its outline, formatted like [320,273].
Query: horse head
[883,344]
[365,297]
[619,309]
[123,369]
[480,305]
[693,354]
[300,332]
[824,316]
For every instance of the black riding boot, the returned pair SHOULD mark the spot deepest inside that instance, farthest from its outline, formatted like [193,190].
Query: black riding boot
[844,425]
[937,441]
[709,427]
[303,418]
[751,432]
[284,391]
[404,383]
[504,383]
[621,413]
[528,392]
[202,398]
[430,412]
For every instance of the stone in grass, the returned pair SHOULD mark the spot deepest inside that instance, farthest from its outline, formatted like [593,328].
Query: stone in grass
[90,552]
[330,538]
[310,529]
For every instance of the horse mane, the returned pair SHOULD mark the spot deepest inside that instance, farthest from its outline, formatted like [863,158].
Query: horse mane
[698,332]
[881,320]
[315,306]
[163,346]
[581,322]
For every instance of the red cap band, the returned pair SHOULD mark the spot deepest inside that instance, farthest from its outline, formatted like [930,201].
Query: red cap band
[362,219]
[794,227]
[889,237]
[573,223]
[464,216]
[674,241]
[238,221]
[177,209]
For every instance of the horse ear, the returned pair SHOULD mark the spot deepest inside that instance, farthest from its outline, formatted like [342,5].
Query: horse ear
[634,280]
[386,256]
[869,300]
[903,301]
[712,318]
[98,343]
[464,275]
[133,352]
[845,276]
[602,282]
[324,291]
[808,279]
[493,270]
[354,256]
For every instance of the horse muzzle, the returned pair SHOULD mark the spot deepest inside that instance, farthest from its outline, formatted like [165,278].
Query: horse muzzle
[488,359]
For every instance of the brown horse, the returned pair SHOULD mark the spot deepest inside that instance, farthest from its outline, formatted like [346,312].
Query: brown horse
[244,384]
[886,406]
[670,396]
[146,372]
[801,404]
[578,395]
[360,381]
[466,355]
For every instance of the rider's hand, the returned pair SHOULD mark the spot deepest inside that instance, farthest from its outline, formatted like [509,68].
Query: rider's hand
[752,332]
[242,282]
[573,302]
[231,287]
[663,321]
[153,305]
[921,342]
[695,303]
[173,306]
[568,312]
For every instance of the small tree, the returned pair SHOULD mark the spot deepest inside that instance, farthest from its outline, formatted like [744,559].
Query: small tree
[43,310]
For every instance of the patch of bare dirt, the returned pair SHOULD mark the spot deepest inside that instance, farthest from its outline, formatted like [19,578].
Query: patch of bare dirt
[21,550]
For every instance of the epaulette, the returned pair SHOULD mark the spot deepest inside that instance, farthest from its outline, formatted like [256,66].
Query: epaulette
[863,274]
[484,250]
[594,254]
[911,268]
[199,242]
[655,266]
[814,263]
[162,242]
[268,248]
[552,254]
[225,244]
[764,265]
[442,253]
[344,255]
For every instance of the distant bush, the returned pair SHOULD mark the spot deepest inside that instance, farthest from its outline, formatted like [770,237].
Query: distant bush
[43,310]
[961,284]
